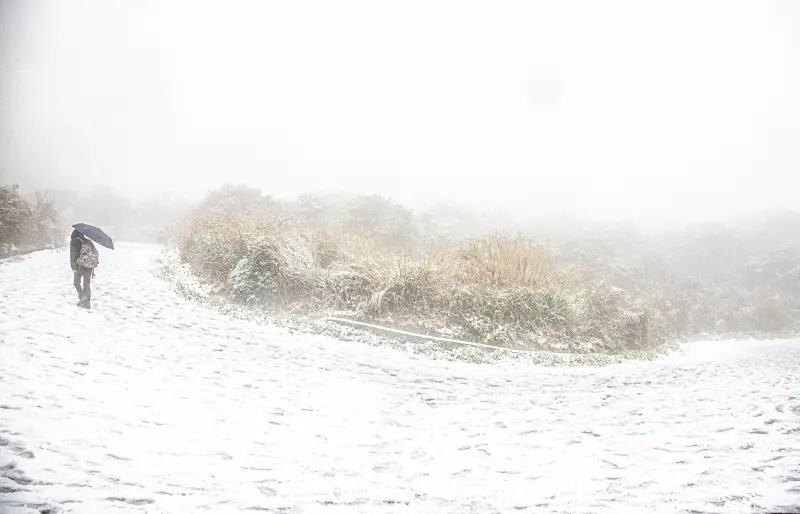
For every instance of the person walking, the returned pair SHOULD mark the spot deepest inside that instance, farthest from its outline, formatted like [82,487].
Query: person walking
[83,259]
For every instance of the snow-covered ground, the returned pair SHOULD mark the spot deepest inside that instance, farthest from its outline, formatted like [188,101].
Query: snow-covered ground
[149,403]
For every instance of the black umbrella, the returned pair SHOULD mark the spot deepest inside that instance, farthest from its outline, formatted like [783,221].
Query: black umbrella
[95,234]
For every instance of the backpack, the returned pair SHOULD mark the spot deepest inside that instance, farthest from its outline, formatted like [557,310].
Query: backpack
[88,258]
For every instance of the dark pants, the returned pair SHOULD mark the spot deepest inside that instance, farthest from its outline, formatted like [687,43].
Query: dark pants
[86,291]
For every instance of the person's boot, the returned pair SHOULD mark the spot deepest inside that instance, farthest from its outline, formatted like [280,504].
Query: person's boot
[84,302]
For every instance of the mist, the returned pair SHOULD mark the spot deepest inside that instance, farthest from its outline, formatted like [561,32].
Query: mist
[421,255]
[622,110]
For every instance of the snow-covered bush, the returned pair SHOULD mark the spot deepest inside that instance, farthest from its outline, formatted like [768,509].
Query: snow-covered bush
[14,215]
[252,282]
[28,225]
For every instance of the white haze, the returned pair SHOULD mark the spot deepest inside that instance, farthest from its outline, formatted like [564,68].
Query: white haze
[658,110]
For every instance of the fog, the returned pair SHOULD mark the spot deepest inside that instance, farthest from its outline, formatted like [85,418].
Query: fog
[579,182]
[644,110]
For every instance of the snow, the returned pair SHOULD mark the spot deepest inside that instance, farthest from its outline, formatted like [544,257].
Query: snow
[151,403]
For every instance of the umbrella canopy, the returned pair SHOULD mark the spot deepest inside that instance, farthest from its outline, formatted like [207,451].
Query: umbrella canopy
[95,234]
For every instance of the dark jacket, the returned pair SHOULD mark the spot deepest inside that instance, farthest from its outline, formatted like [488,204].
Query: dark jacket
[75,243]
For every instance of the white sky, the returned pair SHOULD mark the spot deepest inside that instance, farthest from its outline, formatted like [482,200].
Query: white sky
[645,109]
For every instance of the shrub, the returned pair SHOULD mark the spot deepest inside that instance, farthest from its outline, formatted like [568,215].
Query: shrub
[28,225]
[382,219]
[240,200]
[14,215]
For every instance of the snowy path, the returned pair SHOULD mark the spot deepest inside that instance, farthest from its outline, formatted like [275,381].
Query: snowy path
[150,404]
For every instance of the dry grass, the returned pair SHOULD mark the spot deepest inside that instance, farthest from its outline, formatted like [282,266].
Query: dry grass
[493,290]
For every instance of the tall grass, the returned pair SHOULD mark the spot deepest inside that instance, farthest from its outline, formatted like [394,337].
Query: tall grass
[494,290]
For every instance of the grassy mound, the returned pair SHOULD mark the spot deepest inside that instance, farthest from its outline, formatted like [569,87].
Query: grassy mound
[492,290]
